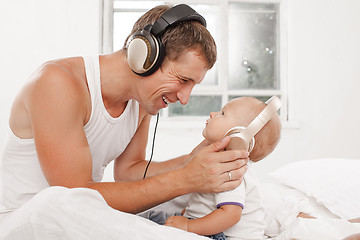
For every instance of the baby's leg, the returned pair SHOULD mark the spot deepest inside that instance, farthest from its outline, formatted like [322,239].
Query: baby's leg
[218,236]
[353,237]
[157,216]
[355,220]
[304,215]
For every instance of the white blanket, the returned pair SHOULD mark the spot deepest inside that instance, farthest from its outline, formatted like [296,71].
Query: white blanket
[326,228]
[76,214]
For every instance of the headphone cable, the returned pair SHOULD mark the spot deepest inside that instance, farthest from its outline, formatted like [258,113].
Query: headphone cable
[152,147]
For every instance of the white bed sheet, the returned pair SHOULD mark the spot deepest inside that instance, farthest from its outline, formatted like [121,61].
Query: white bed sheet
[333,182]
[62,214]
[283,204]
[77,214]
[39,219]
[319,229]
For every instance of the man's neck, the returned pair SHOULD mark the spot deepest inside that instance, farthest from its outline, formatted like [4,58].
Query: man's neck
[116,79]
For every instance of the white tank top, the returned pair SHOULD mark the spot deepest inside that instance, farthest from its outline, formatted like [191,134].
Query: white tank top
[21,174]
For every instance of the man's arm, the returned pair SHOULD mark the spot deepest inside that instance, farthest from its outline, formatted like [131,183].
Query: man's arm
[57,108]
[206,171]
[215,222]
[131,164]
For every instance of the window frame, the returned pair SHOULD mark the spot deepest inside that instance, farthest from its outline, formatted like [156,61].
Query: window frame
[221,89]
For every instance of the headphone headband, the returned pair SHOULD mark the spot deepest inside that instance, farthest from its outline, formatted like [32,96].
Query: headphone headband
[273,105]
[178,13]
[248,133]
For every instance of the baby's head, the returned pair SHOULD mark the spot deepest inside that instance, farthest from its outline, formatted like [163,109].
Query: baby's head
[240,112]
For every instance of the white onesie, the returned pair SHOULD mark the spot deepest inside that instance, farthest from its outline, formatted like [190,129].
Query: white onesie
[247,195]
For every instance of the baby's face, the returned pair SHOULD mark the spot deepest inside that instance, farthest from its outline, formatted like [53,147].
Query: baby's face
[220,122]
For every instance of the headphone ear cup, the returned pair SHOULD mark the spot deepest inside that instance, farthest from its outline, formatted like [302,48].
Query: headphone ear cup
[143,53]
[237,143]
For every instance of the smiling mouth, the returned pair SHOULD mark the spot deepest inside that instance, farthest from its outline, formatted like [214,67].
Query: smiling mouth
[166,101]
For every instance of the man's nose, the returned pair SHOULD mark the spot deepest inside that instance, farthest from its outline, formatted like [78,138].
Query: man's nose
[184,94]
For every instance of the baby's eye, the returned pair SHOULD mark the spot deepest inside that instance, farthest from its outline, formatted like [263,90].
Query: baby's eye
[222,113]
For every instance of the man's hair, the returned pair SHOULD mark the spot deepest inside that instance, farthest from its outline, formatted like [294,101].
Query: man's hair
[180,37]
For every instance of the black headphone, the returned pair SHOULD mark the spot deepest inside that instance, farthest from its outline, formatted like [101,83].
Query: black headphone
[145,51]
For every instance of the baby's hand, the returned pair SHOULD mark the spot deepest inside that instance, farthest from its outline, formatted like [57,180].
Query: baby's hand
[178,222]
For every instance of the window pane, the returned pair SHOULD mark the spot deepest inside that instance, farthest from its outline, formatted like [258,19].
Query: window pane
[211,77]
[211,13]
[261,98]
[126,13]
[253,53]
[146,5]
[122,28]
[197,106]
[256,6]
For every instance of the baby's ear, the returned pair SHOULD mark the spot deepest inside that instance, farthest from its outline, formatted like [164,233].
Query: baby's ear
[237,143]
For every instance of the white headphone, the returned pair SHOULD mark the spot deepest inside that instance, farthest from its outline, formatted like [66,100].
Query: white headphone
[243,137]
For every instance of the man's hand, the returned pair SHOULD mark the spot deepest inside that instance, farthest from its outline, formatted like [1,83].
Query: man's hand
[208,168]
[177,222]
[189,156]
[203,144]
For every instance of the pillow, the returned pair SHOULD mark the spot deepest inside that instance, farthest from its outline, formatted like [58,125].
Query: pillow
[282,205]
[333,182]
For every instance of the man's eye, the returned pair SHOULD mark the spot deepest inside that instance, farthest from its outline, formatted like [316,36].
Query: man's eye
[222,113]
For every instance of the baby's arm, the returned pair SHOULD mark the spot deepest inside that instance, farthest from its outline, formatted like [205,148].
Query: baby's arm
[215,222]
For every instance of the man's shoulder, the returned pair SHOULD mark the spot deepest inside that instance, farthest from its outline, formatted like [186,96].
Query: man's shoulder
[68,68]
[60,78]
[62,74]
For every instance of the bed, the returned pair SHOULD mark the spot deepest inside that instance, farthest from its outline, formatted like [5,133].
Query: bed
[328,189]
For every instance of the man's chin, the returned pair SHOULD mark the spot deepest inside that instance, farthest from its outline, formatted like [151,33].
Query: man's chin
[153,112]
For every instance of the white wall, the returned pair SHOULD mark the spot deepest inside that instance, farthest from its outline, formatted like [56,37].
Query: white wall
[323,71]
[34,31]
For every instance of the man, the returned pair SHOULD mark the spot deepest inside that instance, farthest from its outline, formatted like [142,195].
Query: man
[76,115]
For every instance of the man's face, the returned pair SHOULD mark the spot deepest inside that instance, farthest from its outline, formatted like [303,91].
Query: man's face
[173,82]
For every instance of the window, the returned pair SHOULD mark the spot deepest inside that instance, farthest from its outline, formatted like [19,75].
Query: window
[250,50]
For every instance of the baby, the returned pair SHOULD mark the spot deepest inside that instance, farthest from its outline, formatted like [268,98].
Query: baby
[236,214]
